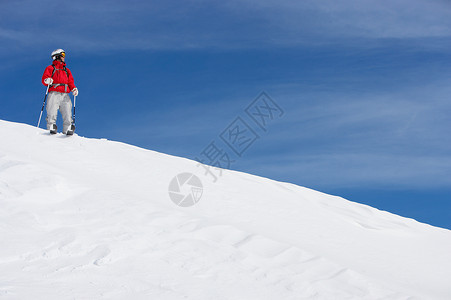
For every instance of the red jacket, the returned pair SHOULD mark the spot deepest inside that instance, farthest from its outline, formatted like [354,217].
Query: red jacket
[60,76]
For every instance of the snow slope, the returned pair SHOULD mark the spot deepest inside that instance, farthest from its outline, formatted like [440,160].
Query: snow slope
[92,219]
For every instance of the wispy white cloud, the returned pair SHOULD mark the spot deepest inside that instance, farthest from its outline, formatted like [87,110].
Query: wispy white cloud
[351,170]
[395,139]
[193,24]
[365,18]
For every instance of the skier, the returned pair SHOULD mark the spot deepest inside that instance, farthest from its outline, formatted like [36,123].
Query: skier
[60,82]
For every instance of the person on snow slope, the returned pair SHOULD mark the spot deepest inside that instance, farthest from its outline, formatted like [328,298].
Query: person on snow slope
[61,82]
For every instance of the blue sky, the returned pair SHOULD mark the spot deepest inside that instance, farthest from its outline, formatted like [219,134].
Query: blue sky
[365,86]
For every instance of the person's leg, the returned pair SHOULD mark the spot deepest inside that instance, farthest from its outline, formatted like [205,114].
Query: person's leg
[53,103]
[66,112]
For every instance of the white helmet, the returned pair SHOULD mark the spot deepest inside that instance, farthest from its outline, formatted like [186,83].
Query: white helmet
[58,52]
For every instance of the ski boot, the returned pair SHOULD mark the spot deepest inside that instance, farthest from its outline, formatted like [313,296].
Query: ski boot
[71,130]
[53,129]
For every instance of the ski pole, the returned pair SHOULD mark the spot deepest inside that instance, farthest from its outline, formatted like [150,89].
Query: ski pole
[73,119]
[43,104]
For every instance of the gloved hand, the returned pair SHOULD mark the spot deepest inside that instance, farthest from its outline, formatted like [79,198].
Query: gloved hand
[48,81]
[75,92]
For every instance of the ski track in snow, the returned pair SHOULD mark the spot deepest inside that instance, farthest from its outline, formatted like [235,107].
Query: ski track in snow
[91,219]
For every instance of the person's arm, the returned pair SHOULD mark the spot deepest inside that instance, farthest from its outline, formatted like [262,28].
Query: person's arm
[71,83]
[71,80]
[47,74]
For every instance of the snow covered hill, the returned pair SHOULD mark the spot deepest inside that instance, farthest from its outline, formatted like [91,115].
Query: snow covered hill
[92,219]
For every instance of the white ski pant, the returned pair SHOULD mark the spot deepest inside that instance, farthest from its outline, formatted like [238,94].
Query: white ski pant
[59,101]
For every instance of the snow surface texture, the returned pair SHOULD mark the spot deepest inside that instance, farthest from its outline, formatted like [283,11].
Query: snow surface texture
[92,219]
